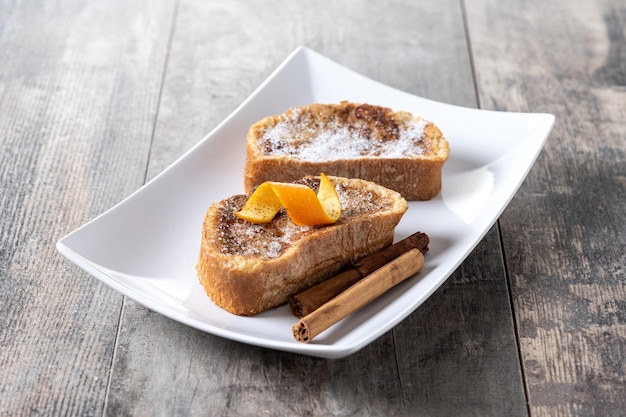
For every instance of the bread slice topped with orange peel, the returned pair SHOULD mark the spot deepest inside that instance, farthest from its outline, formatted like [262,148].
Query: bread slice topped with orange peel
[392,148]
[258,250]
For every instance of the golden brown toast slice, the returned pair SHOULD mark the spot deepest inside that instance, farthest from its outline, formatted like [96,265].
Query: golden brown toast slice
[247,268]
[391,148]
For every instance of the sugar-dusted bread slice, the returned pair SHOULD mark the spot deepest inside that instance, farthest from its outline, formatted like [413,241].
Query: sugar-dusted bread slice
[247,268]
[391,148]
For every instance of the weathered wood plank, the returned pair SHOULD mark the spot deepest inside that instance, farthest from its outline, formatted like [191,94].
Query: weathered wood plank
[564,234]
[220,53]
[79,86]
[457,353]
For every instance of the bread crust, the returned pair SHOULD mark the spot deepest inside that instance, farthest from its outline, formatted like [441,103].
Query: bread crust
[247,283]
[417,176]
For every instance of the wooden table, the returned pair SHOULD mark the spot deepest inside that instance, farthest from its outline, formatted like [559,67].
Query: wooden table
[98,97]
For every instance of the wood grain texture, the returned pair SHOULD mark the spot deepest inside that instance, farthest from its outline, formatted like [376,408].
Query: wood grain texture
[219,54]
[457,353]
[564,233]
[207,375]
[78,98]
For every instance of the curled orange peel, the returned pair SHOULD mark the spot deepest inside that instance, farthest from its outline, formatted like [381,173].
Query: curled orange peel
[304,207]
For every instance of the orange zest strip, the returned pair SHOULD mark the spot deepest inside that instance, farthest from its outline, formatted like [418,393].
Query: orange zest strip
[328,198]
[303,206]
[262,205]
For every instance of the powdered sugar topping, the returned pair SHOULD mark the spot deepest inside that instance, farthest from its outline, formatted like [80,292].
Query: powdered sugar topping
[267,241]
[239,237]
[301,136]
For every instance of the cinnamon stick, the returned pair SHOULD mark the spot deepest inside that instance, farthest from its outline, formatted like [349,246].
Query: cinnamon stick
[307,301]
[358,295]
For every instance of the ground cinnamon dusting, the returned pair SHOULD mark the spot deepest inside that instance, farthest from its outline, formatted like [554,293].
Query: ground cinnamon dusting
[348,132]
[236,236]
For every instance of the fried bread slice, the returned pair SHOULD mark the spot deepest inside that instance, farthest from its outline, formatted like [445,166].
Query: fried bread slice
[247,268]
[392,148]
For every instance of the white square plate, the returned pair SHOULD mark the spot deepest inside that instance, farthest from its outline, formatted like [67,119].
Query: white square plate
[146,246]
